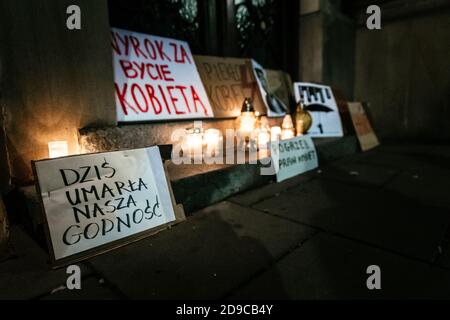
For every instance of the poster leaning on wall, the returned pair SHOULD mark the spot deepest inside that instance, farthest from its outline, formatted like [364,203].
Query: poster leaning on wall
[155,79]
[319,100]
[274,105]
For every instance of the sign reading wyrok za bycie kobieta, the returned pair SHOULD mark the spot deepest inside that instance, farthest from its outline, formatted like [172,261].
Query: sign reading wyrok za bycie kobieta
[92,201]
[293,157]
[156,78]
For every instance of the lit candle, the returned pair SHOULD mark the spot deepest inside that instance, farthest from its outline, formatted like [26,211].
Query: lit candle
[212,140]
[263,143]
[263,133]
[263,139]
[275,133]
[58,149]
[248,121]
[247,124]
[194,142]
[288,131]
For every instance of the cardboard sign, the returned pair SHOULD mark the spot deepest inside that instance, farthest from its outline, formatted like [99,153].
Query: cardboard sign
[94,200]
[320,102]
[346,120]
[274,105]
[293,157]
[280,84]
[156,79]
[228,81]
[366,136]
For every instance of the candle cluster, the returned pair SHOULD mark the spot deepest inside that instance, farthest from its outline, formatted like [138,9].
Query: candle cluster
[257,130]
[198,141]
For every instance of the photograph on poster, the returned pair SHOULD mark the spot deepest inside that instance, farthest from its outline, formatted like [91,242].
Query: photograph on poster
[96,199]
[228,81]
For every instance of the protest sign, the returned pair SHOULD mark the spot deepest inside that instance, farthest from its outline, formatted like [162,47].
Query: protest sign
[156,78]
[97,201]
[320,102]
[366,136]
[293,157]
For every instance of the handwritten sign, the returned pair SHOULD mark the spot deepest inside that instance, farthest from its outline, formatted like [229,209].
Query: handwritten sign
[320,102]
[228,81]
[366,136]
[96,199]
[293,157]
[156,78]
[274,105]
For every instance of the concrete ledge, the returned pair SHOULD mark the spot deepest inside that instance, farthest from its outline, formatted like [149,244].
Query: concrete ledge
[133,136]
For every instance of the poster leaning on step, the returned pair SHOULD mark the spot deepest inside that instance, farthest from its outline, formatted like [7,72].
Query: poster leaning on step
[96,202]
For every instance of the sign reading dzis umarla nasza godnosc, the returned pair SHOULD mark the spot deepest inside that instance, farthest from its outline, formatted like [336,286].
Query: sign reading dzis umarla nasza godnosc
[92,200]
[156,79]
[293,157]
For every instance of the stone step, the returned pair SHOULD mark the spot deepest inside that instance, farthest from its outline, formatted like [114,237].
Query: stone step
[197,186]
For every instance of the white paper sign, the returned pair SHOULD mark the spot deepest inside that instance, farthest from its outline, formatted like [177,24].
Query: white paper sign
[156,79]
[320,102]
[92,200]
[275,106]
[293,157]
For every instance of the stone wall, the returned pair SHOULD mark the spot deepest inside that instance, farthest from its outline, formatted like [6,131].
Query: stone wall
[53,81]
[402,71]
[132,136]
